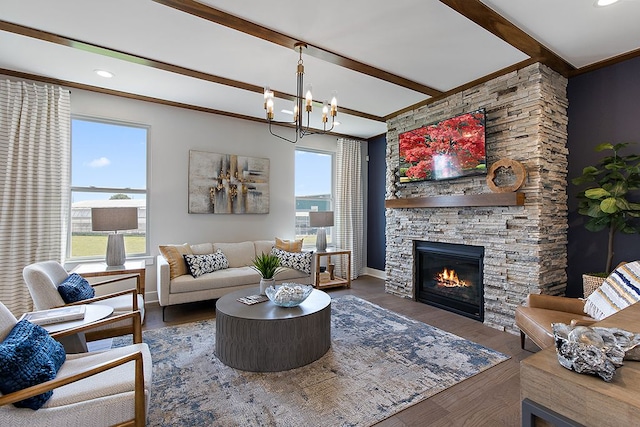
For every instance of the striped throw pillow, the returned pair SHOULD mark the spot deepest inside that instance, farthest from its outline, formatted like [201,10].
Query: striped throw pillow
[619,290]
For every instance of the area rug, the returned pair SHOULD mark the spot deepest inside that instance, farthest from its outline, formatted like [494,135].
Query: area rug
[379,363]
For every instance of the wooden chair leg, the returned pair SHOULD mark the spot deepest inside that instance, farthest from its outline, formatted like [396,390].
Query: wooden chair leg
[522,336]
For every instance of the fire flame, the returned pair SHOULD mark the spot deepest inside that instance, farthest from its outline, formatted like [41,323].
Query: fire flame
[449,279]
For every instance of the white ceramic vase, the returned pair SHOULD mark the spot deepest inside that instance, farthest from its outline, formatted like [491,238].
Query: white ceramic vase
[265,283]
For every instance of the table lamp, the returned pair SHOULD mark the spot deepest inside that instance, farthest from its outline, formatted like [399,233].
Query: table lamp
[114,219]
[320,220]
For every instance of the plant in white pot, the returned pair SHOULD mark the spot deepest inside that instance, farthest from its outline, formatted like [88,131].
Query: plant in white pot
[610,198]
[267,265]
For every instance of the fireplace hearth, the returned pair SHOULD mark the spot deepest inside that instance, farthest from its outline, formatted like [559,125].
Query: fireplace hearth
[449,276]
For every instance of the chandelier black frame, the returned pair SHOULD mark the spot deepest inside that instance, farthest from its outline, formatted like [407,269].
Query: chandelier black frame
[301,100]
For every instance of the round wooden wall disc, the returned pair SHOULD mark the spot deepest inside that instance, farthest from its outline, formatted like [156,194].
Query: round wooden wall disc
[506,175]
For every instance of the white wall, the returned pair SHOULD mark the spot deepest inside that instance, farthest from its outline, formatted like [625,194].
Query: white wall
[175,131]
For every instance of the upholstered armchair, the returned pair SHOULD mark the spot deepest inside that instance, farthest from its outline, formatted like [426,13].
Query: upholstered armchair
[619,290]
[98,389]
[44,279]
[535,317]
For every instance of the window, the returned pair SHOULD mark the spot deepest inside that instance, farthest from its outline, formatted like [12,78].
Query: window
[108,169]
[313,190]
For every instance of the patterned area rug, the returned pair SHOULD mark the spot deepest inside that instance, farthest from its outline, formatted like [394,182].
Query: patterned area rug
[379,363]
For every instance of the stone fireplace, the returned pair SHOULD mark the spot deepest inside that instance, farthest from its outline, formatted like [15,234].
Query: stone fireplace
[524,244]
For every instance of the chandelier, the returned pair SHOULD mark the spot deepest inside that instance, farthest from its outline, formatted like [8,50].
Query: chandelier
[300,101]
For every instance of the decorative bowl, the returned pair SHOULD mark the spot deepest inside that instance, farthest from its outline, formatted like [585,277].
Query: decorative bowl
[288,294]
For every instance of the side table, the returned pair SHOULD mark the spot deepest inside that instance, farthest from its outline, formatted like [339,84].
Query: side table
[98,269]
[336,281]
[77,343]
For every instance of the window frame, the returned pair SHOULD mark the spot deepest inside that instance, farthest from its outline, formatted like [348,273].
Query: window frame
[331,154]
[94,189]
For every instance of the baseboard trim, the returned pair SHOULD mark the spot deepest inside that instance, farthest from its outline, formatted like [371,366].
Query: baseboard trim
[375,273]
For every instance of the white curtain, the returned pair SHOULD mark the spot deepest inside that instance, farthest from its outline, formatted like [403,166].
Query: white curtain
[349,210]
[35,144]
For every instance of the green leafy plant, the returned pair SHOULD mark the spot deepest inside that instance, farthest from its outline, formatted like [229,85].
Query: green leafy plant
[268,265]
[606,200]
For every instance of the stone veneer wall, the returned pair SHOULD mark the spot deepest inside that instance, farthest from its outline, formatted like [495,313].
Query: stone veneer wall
[525,246]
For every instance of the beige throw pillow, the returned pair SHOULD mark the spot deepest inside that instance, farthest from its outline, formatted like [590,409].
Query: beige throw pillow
[174,256]
[289,245]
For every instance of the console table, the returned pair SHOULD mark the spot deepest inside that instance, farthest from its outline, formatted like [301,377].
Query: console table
[584,399]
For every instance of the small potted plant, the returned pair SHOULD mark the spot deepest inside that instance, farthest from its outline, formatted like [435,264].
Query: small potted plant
[606,201]
[267,265]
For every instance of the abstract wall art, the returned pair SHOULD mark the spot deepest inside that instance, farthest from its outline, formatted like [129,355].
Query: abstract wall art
[228,184]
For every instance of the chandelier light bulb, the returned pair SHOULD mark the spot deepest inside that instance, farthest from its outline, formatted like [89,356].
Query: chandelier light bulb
[308,99]
[325,112]
[270,108]
[334,104]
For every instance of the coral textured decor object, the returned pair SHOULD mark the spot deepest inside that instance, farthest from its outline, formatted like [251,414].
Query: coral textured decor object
[448,149]
[594,350]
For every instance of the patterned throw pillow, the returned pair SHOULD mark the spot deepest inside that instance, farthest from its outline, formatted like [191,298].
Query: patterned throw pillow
[201,264]
[29,356]
[297,260]
[75,288]
[619,290]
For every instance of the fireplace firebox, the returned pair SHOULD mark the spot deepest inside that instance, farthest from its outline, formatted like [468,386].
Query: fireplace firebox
[449,276]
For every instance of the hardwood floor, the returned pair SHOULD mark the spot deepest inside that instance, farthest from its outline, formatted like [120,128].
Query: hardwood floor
[491,398]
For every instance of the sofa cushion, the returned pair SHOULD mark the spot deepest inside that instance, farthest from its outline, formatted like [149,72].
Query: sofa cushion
[296,260]
[238,254]
[75,288]
[218,279]
[201,264]
[619,290]
[289,245]
[202,249]
[174,254]
[29,356]
[263,246]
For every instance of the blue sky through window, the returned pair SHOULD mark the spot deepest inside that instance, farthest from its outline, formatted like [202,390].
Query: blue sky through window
[107,155]
[313,173]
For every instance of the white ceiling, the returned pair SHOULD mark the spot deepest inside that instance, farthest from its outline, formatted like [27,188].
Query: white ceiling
[423,41]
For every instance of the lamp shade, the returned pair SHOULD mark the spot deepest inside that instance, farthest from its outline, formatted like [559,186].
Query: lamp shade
[321,219]
[114,219]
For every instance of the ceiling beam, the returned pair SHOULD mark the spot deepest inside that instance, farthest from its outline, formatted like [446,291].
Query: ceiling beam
[140,60]
[491,21]
[247,27]
[74,85]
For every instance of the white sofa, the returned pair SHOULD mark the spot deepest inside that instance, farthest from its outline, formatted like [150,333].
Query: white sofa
[176,285]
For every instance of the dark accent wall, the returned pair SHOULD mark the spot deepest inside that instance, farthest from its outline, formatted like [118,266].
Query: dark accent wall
[604,106]
[376,239]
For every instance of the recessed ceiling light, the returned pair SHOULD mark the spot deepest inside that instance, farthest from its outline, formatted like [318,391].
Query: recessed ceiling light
[104,73]
[603,3]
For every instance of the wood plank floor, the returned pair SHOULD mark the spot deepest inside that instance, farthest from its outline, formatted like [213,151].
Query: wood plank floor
[491,398]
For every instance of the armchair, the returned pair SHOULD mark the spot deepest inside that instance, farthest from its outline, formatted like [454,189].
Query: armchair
[619,290]
[43,279]
[99,389]
[534,319]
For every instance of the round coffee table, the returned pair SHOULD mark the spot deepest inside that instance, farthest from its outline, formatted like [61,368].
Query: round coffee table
[266,338]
